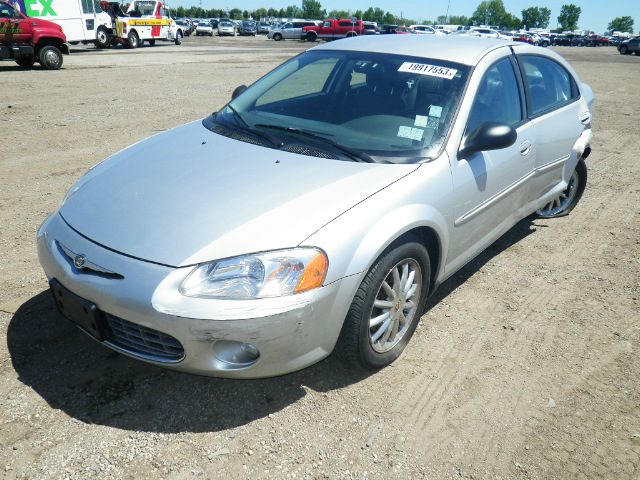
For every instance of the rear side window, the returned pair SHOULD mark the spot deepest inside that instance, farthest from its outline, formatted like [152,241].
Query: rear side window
[549,84]
[498,97]
[7,12]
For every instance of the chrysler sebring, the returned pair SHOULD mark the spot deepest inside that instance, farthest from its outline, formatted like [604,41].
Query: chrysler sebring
[321,206]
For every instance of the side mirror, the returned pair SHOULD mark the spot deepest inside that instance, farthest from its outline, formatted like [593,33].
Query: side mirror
[238,91]
[489,136]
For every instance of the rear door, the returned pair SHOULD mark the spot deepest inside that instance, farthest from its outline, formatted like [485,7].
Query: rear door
[559,117]
[287,30]
[491,187]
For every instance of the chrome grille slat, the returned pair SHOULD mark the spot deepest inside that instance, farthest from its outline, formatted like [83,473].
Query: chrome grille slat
[142,341]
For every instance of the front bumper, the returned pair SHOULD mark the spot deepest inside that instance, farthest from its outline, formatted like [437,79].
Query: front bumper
[290,333]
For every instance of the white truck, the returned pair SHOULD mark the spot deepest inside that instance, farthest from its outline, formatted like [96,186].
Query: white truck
[81,20]
[145,20]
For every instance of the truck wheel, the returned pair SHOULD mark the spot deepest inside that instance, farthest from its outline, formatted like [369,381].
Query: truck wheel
[311,37]
[26,62]
[178,40]
[103,39]
[50,57]
[133,41]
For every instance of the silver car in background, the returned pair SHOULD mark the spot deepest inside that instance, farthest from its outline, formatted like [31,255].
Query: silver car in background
[318,210]
[290,30]
[227,28]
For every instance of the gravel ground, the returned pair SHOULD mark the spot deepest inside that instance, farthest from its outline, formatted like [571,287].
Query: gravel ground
[525,366]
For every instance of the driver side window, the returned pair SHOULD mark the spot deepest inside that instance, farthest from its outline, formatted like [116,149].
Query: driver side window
[497,98]
[7,11]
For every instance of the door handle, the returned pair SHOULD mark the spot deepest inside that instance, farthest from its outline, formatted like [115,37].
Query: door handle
[525,148]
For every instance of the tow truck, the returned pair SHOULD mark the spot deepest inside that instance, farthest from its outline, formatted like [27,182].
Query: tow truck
[144,20]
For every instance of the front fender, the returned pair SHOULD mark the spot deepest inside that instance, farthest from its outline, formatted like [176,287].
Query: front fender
[358,237]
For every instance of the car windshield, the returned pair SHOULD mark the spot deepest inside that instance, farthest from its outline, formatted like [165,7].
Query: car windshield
[225,24]
[390,106]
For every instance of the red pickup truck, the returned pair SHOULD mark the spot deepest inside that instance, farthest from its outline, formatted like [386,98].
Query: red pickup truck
[28,40]
[333,29]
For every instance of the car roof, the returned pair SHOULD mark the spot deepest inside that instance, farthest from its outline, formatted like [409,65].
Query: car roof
[458,48]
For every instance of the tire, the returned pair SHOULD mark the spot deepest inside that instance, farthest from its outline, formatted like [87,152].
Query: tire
[50,57]
[103,39]
[178,40]
[277,37]
[311,37]
[211,34]
[357,344]
[133,41]
[26,62]
[624,50]
[569,198]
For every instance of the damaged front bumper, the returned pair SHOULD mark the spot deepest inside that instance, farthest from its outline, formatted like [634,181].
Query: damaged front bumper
[141,307]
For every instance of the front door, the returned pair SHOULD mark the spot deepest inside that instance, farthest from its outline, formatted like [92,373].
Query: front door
[491,187]
[14,28]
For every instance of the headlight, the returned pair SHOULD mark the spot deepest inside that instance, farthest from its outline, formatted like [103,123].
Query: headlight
[262,275]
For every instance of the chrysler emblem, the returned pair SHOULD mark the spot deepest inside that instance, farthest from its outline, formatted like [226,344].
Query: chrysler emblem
[79,261]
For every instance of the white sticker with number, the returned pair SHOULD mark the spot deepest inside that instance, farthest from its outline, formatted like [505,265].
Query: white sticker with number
[431,70]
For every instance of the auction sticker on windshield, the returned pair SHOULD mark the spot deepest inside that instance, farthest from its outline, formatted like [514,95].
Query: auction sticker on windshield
[431,70]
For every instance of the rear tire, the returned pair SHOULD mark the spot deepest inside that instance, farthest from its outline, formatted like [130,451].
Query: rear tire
[50,57]
[103,39]
[374,333]
[277,37]
[624,50]
[178,40]
[311,37]
[569,198]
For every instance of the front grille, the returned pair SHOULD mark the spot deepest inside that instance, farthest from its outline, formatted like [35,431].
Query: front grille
[143,341]
[310,151]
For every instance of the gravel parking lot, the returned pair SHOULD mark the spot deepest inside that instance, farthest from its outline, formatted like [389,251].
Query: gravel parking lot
[525,366]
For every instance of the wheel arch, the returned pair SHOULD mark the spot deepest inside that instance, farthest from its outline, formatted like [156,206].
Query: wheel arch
[53,42]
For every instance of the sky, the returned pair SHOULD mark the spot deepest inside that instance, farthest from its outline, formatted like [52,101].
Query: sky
[596,14]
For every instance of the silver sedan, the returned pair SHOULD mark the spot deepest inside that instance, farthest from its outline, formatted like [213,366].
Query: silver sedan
[318,210]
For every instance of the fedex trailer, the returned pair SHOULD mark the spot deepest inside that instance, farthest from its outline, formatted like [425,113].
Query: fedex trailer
[81,20]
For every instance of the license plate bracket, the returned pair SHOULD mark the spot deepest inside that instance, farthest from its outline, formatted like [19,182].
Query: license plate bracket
[82,312]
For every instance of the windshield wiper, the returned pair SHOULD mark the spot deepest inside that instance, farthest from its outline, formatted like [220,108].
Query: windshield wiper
[354,154]
[245,126]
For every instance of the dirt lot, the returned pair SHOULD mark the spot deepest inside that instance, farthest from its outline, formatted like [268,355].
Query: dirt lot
[526,365]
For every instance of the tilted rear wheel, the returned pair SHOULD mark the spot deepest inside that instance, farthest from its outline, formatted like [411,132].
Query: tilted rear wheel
[386,308]
[569,198]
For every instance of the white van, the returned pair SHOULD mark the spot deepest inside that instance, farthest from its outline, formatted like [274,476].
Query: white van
[82,20]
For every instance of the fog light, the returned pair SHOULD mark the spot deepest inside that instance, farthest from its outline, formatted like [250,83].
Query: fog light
[236,354]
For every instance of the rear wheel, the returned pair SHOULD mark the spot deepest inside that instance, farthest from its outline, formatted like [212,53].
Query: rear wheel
[178,40]
[103,39]
[50,57]
[386,308]
[133,41]
[311,37]
[569,198]
[624,50]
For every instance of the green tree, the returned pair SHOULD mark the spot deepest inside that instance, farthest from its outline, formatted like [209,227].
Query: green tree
[536,17]
[339,14]
[359,14]
[312,9]
[621,24]
[235,14]
[569,16]
[245,14]
[489,12]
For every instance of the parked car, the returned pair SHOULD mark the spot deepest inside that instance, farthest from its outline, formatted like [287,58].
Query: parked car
[341,225]
[371,28]
[426,29]
[205,28]
[27,41]
[226,28]
[186,25]
[248,28]
[290,30]
[387,29]
[522,37]
[485,33]
[402,30]
[263,27]
[631,45]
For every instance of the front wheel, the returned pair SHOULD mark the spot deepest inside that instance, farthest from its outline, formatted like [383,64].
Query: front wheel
[386,308]
[178,40]
[133,41]
[569,198]
[624,50]
[50,57]
[311,37]
[277,37]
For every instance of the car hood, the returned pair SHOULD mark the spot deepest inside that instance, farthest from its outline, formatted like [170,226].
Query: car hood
[189,196]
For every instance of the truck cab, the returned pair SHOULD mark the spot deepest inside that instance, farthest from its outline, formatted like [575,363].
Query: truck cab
[332,29]
[26,40]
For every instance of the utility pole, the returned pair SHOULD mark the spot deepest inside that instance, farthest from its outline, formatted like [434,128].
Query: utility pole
[446,17]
